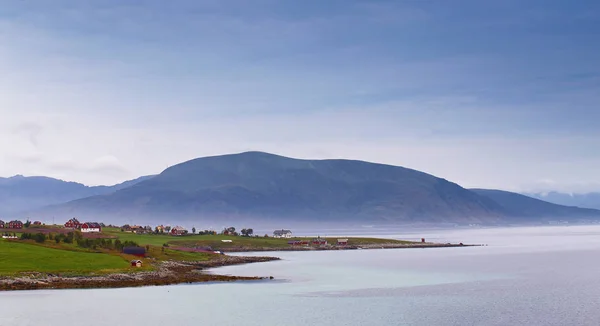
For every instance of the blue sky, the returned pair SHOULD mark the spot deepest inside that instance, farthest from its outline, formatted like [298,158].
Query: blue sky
[501,94]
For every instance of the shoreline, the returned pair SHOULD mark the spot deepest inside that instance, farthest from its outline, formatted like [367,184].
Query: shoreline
[178,272]
[352,247]
[167,273]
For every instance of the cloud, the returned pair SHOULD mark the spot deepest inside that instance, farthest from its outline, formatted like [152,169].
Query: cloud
[485,96]
[29,129]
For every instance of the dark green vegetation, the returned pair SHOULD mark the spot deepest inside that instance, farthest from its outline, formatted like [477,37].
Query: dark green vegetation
[271,189]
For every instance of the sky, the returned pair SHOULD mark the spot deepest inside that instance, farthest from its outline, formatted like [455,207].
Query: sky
[494,94]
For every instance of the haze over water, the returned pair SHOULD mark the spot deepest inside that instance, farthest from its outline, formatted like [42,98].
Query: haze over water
[525,276]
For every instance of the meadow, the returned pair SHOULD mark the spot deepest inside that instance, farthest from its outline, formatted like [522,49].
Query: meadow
[16,257]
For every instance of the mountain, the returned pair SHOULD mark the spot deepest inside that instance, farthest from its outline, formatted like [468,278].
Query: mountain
[19,193]
[587,200]
[517,206]
[255,186]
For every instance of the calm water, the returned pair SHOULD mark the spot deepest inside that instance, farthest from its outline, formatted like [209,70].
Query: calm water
[525,276]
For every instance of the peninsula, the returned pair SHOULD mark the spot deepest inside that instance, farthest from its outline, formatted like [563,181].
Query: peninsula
[59,257]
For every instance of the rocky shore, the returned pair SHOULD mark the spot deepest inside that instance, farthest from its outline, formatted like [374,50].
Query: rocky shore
[166,273]
[350,247]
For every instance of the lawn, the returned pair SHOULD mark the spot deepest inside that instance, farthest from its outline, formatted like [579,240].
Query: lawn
[18,257]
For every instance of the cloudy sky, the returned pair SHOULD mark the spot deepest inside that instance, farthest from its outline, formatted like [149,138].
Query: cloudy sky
[501,94]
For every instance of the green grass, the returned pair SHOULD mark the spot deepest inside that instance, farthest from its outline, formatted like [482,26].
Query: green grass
[17,257]
[215,241]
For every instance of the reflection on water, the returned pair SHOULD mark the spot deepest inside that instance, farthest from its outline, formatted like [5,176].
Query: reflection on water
[536,276]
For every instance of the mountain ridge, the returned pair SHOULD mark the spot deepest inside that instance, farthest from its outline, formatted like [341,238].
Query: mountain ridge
[257,185]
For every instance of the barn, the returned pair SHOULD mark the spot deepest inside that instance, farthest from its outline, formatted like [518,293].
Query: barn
[91,227]
[136,263]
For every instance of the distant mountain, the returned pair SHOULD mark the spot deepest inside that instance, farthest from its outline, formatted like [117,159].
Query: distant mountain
[257,185]
[521,207]
[21,193]
[587,200]
[260,186]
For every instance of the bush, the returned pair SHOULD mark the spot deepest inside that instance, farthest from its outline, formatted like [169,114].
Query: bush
[40,238]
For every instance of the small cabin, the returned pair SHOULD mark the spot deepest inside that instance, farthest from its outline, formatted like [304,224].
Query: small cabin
[342,242]
[136,263]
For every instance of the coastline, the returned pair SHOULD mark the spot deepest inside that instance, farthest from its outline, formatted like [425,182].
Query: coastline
[179,272]
[352,247]
[167,273]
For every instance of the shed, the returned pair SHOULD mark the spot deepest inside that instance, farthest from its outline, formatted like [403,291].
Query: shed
[136,251]
[136,263]
[342,242]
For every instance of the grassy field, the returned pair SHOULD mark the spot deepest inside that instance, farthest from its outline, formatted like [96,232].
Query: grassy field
[18,257]
[215,241]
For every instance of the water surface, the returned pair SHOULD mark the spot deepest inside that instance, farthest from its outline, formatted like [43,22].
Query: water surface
[534,276]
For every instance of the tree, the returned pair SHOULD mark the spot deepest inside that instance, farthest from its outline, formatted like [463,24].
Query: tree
[27,223]
[39,238]
[168,228]
[193,230]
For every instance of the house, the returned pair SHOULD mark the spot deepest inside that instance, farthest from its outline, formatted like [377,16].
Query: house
[37,223]
[282,234]
[126,228]
[14,225]
[319,242]
[342,242]
[72,224]
[136,251]
[1,224]
[137,229]
[178,230]
[294,243]
[91,227]
[136,263]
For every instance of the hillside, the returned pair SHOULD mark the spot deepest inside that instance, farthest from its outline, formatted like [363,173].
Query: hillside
[520,207]
[586,200]
[21,193]
[256,185]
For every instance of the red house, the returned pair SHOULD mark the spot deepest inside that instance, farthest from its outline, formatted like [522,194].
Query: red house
[15,225]
[37,223]
[178,230]
[72,224]
[91,227]
[319,242]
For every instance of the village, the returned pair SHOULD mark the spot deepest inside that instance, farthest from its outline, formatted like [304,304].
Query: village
[11,228]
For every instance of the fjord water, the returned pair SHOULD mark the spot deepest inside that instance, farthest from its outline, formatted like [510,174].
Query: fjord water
[525,276]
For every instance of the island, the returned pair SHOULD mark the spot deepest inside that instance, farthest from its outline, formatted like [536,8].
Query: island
[90,255]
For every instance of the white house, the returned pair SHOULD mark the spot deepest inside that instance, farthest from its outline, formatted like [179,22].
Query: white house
[282,234]
[91,227]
